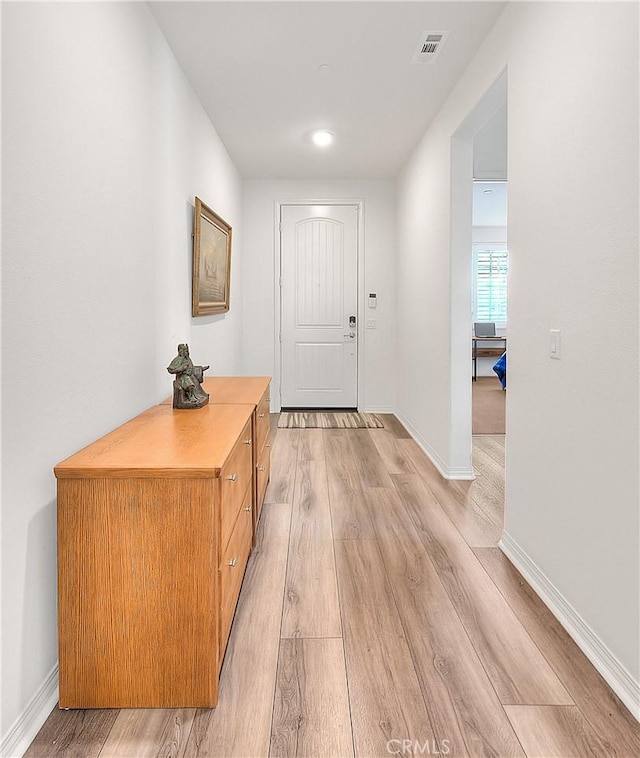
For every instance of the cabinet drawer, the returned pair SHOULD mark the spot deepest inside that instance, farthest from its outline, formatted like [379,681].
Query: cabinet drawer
[262,478]
[235,480]
[262,421]
[232,566]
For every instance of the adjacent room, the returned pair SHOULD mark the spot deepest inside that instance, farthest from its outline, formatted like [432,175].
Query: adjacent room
[270,485]
[490,268]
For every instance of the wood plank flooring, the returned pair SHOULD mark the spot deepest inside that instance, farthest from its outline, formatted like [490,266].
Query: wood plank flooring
[376,618]
[311,711]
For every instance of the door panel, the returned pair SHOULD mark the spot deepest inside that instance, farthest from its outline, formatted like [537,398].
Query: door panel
[319,294]
[318,366]
[318,262]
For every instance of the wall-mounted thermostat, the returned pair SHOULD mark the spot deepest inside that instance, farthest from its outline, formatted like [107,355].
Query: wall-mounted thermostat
[373,300]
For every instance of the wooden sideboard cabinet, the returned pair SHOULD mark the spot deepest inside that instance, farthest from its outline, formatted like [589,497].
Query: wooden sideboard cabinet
[255,390]
[154,532]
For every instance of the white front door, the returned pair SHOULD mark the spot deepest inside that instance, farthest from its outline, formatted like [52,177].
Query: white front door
[319,267]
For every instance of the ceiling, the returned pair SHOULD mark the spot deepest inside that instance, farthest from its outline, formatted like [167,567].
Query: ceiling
[254,67]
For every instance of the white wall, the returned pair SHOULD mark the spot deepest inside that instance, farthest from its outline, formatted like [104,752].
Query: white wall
[188,159]
[104,147]
[572,425]
[423,302]
[577,419]
[489,234]
[379,197]
[490,148]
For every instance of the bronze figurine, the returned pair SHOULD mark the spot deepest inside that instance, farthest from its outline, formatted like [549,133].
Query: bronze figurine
[187,392]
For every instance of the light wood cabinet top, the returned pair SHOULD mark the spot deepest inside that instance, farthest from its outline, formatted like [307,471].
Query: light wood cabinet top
[236,389]
[233,389]
[163,442]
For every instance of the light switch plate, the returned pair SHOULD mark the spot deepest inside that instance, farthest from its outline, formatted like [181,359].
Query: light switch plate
[554,343]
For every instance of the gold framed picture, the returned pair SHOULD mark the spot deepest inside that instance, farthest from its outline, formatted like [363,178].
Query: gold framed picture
[211,262]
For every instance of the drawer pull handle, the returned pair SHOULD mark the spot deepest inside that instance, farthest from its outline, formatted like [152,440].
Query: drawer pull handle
[233,562]
[261,415]
[248,442]
[261,468]
[233,477]
[249,508]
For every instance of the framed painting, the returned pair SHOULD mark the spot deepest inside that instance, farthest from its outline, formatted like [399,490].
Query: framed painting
[211,262]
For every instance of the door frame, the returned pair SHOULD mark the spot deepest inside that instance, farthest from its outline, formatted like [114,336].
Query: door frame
[461,189]
[277,287]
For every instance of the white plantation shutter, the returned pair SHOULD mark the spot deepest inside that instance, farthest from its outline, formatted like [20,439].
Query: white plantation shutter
[491,264]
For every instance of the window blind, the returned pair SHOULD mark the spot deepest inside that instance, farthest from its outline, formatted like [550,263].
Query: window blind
[491,267]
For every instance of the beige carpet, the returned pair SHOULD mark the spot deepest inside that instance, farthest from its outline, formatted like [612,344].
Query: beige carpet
[488,406]
[329,420]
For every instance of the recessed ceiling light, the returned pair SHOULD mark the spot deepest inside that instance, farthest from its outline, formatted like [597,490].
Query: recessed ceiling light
[322,138]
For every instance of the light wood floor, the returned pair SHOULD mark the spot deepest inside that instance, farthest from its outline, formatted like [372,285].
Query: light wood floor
[378,618]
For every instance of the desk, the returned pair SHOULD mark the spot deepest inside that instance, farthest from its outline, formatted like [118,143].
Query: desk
[474,351]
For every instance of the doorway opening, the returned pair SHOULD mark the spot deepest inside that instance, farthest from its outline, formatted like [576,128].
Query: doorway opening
[489,273]
[478,241]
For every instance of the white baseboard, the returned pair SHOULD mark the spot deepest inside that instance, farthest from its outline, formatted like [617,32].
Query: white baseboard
[613,672]
[373,409]
[448,472]
[30,721]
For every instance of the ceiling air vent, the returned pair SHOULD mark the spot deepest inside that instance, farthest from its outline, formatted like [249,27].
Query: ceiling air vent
[429,46]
